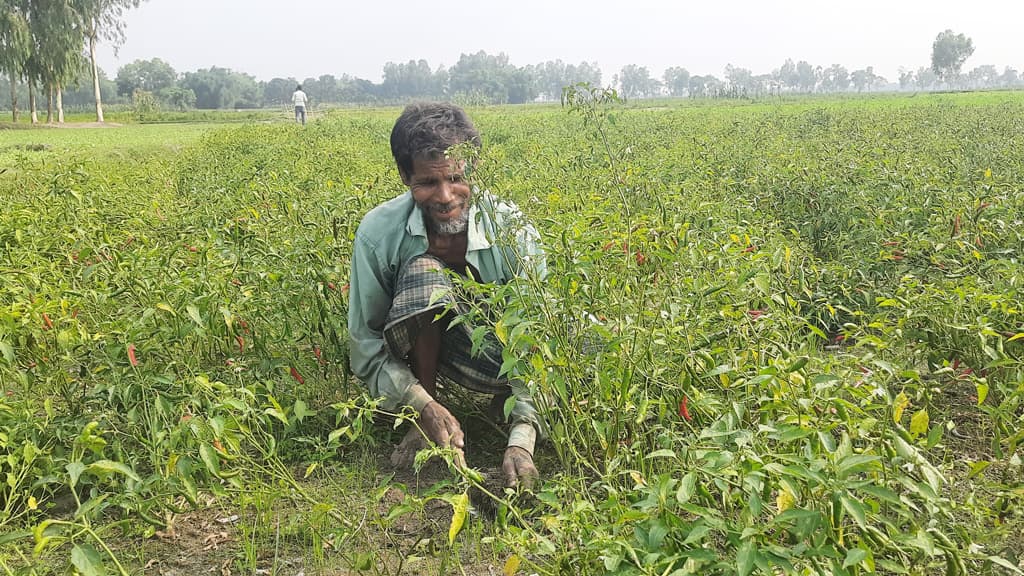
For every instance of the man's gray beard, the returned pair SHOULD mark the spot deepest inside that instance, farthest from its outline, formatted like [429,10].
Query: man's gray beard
[450,227]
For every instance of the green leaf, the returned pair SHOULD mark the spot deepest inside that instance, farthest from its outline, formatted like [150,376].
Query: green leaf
[193,313]
[699,531]
[763,283]
[745,558]
[854,557]
[300,410]
[856,463]
[898,406]
[855,508]
[17,535]
[982,389]
[663,453]
[87,560]
[75,470]
[935,436]
[1005,564]
[686,488]
[460,508]
[978,468]
[338,433]
[919,423]
[209,455]
[8,352]
[111,466]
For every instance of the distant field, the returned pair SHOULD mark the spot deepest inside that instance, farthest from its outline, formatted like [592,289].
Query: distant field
[781,336]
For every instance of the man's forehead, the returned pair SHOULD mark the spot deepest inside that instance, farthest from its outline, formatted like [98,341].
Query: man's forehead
[438,162]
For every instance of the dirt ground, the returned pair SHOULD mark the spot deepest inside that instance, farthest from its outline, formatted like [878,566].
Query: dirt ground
[275,538]
[41,125]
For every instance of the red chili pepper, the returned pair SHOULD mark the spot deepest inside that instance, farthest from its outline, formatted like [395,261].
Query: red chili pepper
[755,314]
[317,353]
[640,258]
[751,248]
[344,289]
[47,322]
[297,376]
[331,285]
[241,344]
[684,410]
[131,355]
[608,245]
[956,364]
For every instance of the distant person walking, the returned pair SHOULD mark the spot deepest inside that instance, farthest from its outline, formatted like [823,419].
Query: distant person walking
[299,100]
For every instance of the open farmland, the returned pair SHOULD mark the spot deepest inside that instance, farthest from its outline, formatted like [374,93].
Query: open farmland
[779,337]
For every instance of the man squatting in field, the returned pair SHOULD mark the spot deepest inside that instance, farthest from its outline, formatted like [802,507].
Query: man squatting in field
[402,249]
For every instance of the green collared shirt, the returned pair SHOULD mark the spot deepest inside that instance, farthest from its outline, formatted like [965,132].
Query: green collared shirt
[501,246]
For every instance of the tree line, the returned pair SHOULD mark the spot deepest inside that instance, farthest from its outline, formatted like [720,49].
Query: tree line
[48,43]
[477,78]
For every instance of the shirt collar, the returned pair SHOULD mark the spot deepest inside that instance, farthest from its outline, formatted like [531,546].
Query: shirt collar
[479,239]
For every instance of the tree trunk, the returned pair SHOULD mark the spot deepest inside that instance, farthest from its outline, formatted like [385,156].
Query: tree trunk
[14,98]
[49,103]
[95,77]
[60,103]
[32,101]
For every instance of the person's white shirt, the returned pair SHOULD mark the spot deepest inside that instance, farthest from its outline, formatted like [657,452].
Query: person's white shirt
[299,98]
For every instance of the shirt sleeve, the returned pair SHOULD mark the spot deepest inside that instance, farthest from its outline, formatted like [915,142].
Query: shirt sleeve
[369,302]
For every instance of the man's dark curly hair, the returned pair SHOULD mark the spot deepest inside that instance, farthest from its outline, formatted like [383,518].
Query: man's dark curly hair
[426,130]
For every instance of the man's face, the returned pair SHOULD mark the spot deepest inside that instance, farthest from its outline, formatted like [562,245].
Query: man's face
[441,191]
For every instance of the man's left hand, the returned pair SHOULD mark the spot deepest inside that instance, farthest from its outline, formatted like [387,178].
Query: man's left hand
[518,468]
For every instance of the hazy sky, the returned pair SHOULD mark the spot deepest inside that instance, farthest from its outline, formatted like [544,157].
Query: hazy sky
[303,38]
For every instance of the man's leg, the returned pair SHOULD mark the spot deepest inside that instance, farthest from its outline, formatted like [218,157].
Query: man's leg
[435,420]
[426,352]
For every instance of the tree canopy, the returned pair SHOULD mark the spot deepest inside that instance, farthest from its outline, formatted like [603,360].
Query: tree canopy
[949,52]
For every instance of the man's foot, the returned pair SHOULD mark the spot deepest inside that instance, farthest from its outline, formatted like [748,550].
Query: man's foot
[404,454]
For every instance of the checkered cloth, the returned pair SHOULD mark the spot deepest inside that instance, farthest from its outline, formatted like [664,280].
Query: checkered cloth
[420,279]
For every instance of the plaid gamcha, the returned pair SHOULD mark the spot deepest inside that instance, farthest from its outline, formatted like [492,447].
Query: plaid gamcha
[412,310]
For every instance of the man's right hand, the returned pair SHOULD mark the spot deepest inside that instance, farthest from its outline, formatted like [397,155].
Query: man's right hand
[441,427]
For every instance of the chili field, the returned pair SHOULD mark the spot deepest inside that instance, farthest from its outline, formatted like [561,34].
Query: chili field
[777,337]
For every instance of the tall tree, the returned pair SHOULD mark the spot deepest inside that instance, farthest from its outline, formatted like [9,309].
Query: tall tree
[835,78]
[102,19]
[413,79]
[677,80]
[741,80]
[15,46]
[492,78]
[635,82]
[807,76]
[57,47]
[223,88]
[787,75]
[147,75]
[278,91]
[949,52]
